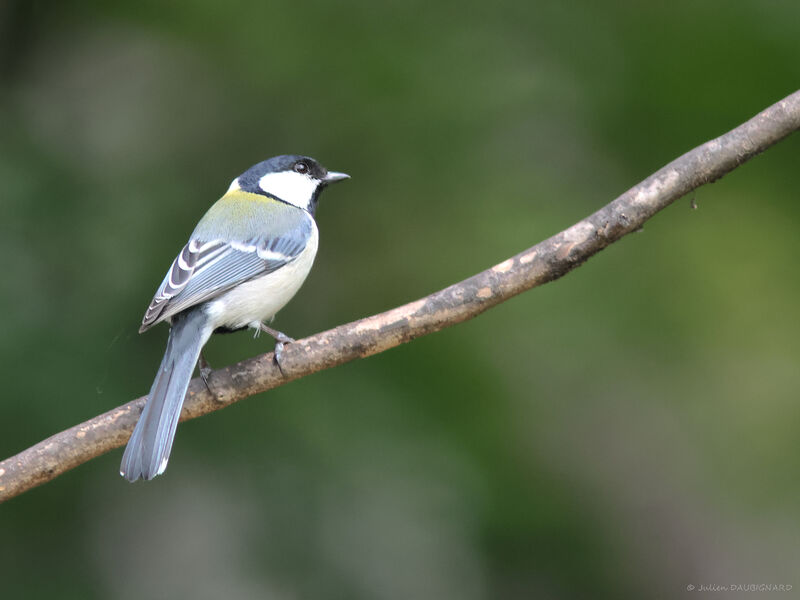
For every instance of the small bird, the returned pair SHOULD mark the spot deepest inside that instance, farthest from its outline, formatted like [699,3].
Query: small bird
[245,260]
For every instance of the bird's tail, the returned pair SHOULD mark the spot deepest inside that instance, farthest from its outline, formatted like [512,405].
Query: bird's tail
[148,449]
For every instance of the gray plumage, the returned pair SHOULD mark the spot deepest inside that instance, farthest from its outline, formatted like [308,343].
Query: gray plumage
[213,262]
[149,447]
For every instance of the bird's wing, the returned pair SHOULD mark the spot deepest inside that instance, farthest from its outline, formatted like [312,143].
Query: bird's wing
[205,269]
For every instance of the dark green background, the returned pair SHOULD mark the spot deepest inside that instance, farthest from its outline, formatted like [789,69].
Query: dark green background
[623,433]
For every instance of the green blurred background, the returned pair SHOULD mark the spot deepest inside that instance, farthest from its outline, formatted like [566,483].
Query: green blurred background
[626,432]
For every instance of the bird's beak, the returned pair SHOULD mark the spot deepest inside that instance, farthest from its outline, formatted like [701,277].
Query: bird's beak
[333,177]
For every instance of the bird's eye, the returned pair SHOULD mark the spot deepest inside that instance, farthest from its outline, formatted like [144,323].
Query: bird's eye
[300,167]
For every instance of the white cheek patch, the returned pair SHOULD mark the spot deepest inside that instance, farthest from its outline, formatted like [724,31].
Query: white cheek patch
[290,187]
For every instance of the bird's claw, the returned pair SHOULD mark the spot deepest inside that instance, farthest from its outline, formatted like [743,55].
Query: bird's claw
[281,339]
[205,371]
[277,356]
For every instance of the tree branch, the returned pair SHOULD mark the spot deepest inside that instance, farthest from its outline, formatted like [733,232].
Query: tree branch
[544,262]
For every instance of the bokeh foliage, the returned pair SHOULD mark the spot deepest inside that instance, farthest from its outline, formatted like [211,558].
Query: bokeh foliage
[625,432]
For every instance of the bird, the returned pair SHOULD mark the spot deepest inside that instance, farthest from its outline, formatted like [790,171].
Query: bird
[246,259]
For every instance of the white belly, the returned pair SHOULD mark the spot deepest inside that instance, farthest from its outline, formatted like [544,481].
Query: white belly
[259,299]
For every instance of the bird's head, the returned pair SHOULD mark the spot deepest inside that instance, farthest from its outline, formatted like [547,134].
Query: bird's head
[294,179]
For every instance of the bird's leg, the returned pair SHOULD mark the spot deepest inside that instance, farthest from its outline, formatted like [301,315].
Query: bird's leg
[205,371]
[281,339]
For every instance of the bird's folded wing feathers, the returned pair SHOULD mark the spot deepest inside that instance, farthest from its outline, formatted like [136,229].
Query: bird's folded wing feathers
[206,269]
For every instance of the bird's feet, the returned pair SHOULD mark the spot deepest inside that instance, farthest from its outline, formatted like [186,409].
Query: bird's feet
[205,371]
[281,339]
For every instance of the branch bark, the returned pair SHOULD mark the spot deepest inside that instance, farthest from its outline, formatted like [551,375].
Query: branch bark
[544,262]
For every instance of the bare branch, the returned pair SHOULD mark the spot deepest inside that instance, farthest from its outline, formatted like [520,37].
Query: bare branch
[546,261]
